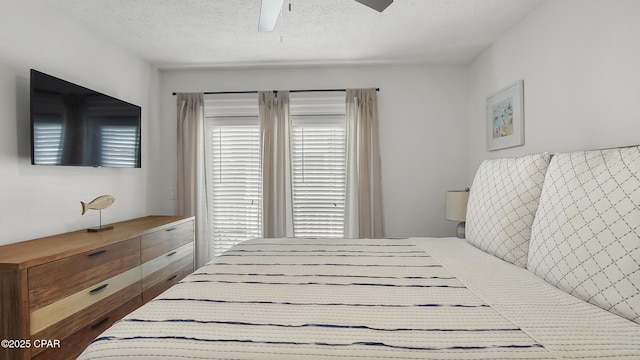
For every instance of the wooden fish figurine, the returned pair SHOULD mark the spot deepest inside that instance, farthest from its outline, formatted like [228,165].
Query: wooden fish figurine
[99,203]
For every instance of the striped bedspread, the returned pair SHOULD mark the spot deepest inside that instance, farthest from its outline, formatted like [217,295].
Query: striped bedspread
[351,299]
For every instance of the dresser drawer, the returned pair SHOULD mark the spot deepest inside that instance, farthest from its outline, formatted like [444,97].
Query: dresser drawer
[58,279]
[89,315]
[73,344]
[158,269]
[163,241]
[60,310]
[166,282]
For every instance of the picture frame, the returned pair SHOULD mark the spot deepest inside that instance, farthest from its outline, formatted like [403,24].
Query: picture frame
[505,117]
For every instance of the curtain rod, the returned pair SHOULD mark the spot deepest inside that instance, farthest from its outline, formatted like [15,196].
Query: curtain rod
[255,92]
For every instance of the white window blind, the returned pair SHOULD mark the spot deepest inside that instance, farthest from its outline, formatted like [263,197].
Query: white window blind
[318,163]
[233,169]
[119,145]
[119,132]
[47,138]
[48,130]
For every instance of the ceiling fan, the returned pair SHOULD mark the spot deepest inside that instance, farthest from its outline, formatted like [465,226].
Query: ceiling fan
[270,10]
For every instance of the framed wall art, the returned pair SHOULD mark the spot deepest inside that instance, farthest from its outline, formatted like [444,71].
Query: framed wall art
[505,117]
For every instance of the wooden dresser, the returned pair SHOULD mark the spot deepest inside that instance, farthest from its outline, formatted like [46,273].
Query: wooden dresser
[59,292]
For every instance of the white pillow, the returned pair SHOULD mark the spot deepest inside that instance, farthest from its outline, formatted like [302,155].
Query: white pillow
[502,203]
[586,234]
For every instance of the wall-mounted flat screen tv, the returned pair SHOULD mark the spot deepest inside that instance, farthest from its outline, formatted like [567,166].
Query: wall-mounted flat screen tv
[75,126]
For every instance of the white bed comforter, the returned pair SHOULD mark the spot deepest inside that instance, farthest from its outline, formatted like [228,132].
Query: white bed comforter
[365,299]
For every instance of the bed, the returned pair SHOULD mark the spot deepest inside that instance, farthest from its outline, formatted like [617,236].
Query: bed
[531,281]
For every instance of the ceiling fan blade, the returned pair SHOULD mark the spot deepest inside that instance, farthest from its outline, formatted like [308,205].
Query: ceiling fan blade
[269,12]
[378,5]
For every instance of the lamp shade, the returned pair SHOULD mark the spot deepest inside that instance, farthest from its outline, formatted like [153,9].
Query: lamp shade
[456,207]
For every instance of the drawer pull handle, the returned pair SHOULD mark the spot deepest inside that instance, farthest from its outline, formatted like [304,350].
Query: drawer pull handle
[101,287]
[97,253]
[172,277]
[100,323]
[172,253]
[171,229]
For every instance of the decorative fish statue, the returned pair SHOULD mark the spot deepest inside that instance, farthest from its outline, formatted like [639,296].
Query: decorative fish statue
[99,203]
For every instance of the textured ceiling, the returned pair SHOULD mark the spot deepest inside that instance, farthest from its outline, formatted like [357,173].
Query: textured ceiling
[223,33]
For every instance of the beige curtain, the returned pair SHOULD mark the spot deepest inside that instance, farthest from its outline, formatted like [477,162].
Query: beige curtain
[191,185]
[277,205]
[363,203]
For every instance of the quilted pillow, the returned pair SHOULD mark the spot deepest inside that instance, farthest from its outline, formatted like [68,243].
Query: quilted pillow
[502,203]
[586,234]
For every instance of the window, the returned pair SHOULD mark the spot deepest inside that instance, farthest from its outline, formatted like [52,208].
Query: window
[318,163]
[234,177]
[233,169]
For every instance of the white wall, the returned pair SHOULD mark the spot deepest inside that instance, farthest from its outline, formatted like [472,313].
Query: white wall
[422,131]
[39,200]
[580,61]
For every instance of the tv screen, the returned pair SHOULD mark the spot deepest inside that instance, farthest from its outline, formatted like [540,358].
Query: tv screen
[75,126]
